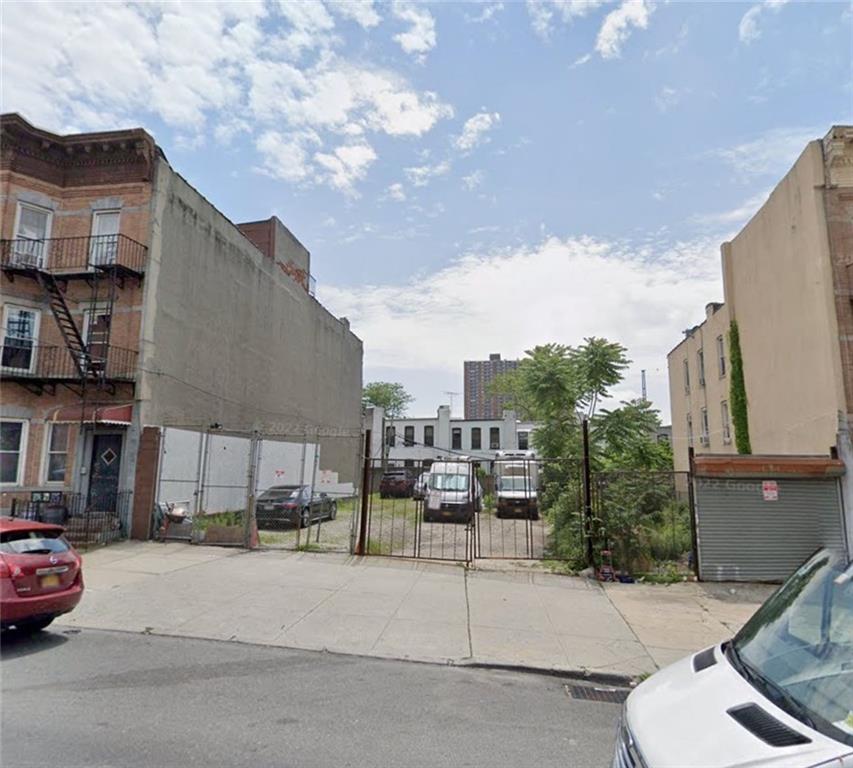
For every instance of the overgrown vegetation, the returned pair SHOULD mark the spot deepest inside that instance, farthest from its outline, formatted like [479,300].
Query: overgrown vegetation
[737,392]
[558,387]
[229,518]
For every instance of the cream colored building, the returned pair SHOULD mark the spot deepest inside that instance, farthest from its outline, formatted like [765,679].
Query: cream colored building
[788,282]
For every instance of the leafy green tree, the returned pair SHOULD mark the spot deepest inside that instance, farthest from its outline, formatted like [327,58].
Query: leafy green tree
[740,415]
[391,396]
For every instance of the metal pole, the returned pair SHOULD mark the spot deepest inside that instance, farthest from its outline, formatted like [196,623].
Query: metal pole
[301,483]
[587,494]
[311,491]
[249,515]
[361,545]
[691,497]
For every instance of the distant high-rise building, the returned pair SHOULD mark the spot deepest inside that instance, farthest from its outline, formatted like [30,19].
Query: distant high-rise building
[479,374]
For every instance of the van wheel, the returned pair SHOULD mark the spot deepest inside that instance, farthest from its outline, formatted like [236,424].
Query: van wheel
[333,511]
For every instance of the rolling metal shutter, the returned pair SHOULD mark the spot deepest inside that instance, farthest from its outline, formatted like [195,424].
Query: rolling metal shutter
[742,537]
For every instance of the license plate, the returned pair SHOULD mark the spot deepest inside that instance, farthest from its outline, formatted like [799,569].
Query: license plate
[50,581]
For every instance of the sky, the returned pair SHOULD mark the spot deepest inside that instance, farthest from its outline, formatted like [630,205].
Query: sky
[470,178]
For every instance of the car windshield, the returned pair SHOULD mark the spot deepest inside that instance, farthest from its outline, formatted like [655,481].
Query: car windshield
[32,542]
[797,648]
[516,484]
[447,482]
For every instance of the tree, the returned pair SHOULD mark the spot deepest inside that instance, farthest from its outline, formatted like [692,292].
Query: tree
[392,397]
[740,414]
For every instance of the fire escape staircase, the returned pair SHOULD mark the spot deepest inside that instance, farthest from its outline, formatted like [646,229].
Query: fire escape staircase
[90,367]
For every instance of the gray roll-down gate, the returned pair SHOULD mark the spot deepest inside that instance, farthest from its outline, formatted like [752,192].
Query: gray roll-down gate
[759,518]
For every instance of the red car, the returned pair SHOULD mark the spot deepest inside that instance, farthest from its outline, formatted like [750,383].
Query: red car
[41,576]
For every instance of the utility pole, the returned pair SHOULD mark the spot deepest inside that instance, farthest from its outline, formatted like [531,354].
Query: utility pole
[643,380]
[587,495]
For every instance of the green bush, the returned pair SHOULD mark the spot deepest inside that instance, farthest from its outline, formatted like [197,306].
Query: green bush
[229,518]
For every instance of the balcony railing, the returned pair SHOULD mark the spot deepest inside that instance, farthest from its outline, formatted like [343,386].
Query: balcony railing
[74,255]
[23,360]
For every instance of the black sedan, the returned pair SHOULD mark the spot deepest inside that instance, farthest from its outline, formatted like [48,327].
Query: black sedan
[290,505]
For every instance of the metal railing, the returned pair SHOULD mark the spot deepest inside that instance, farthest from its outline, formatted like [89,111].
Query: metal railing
[23,360]
[73,255]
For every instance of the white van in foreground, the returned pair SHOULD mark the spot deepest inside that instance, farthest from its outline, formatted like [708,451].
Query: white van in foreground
[779,694]
[453,493]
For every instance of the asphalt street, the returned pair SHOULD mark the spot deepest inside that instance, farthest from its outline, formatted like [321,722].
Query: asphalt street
[101,699]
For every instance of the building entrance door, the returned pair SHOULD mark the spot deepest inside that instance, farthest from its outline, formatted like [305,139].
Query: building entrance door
[104,477]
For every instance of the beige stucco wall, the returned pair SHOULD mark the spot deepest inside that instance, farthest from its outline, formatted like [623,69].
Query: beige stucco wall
[710,395]
[778,286]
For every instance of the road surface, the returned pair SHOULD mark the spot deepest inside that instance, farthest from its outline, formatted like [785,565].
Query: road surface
[101,699]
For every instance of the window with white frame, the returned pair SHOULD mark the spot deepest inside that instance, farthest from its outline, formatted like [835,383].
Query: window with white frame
[700,363]
[32,230]
[686,375]
[724,415]
[104,241]
[56,456]
[523,441]
[408,436]
[494,438]
[721,356]
[20,335]
[704,436]
[13,446]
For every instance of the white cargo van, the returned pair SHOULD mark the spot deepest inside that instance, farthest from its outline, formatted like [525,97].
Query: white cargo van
[453,492]
[780,694]
[516,484]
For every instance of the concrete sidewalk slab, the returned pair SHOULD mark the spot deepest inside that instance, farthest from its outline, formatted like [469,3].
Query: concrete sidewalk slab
[404,609]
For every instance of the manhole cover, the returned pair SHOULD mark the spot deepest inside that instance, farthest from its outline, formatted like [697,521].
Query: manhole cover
[593,693]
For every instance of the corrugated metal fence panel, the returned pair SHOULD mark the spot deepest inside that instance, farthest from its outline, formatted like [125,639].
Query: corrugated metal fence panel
[742,537]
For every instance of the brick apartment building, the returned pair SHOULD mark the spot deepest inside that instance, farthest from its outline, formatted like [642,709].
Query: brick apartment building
[130,303]
[479,374]
[788,283]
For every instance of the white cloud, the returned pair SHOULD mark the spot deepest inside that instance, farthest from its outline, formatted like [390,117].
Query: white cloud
[735,216]
[488,12]
[652,294]
[666,98]
[749,30]
[346,165]
[475,129]
[360,11]
[396,192]
[421,175]
[580,61]
[771,154]
[473,180]
[616,28]
[221,68]
[420,37]
[542,12]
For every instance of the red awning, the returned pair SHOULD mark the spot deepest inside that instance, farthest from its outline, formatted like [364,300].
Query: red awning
[94,414]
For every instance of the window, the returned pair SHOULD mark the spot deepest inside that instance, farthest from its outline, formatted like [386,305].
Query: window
[724,414]
[104,242]
[456,438]
[686,376]
[494,438]
[20,333]
[700,362]
[32,229]
[523,441]
[689,430]
[13,441]
[390,437]
[408,436]
[476,438]
[429,435]
[57,454]
[721,356]
[409,463]
[704,436]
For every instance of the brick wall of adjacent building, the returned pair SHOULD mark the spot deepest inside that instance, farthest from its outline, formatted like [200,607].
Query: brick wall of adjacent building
[145,489]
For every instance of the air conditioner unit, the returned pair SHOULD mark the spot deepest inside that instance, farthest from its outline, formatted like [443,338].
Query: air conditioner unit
[704,440]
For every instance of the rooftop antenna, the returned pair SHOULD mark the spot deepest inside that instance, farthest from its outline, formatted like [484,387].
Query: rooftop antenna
[451,395]
[643,380]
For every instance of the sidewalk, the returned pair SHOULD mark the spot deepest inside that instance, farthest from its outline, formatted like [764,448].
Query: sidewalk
[404,609]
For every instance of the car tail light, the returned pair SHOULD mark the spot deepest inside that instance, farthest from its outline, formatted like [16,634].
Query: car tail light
[5,573]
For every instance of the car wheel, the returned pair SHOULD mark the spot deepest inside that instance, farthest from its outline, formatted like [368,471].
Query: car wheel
[34,626]
[333,511]
[304,519]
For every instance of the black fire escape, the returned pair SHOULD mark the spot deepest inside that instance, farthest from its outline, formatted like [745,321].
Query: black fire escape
[105,263]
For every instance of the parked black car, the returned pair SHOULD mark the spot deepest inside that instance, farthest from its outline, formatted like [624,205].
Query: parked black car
[396,483]
[281,506]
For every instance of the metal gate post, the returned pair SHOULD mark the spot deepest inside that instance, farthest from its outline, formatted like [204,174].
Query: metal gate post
[251,473]
[361,545]
[691,500]
[587,494]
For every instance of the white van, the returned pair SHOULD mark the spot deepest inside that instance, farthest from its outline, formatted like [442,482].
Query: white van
[453,493]
[516,483]
[779,694]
